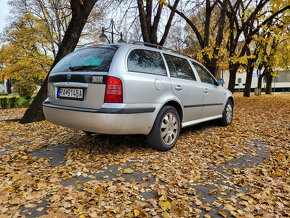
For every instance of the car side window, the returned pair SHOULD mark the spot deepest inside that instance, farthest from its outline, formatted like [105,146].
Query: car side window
[204,76]
[145,61]
[179,67]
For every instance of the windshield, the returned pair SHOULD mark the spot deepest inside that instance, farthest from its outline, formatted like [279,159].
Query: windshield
[88,59]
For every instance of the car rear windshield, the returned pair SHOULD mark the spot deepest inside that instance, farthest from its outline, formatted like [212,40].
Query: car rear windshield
[88,59]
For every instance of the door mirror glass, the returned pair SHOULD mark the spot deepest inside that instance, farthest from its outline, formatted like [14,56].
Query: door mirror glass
[221,81]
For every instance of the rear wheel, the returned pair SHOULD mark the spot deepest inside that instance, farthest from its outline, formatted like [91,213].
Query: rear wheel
[165,130]
[227,114]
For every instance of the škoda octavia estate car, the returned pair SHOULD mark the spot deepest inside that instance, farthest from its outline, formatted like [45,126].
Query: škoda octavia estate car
[134,89]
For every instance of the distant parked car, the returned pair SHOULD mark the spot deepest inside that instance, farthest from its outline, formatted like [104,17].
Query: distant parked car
[135,89]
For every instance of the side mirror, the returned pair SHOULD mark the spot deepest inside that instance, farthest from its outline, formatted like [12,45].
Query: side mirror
[221,81]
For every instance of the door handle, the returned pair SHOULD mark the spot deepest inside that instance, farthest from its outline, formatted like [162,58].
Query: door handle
[178,87]
[205,90]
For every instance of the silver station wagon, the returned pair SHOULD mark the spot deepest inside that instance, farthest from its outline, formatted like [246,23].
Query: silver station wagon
[135,89]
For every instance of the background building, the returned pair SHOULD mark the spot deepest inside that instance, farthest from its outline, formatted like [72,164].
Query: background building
[279,84]
[4,86]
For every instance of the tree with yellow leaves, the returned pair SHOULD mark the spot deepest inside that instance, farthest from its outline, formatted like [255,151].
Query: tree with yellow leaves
[24,56]
[208,25]
[246,20]
[241,17]
[80,12]
[268,48]
[273,54]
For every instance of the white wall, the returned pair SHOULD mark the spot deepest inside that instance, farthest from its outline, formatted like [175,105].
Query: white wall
[242,76]
[1,87]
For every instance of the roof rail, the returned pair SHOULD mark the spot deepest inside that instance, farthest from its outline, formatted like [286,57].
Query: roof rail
[158,47]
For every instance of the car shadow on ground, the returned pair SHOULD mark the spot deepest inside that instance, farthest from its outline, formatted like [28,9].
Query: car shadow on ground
[101,144]
[135,142]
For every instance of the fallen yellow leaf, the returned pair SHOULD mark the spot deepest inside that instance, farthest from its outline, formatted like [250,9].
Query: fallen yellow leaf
[164,205]
[136,213]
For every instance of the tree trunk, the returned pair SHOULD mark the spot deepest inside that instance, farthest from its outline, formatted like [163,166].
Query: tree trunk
[143,21]
[269,79]
[150,30]
[211,66]
[250,69]
[247,91]
[208,11]
[80,13]
[168,24]
[260,81]
[233,73]
[219,38]
[261,75]
[8,86]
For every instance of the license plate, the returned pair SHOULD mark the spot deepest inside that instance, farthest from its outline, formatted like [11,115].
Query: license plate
[70,93]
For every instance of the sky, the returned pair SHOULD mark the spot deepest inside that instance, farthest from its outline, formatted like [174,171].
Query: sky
[4,10]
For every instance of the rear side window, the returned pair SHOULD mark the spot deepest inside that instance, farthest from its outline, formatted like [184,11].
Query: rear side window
[179,68]
[145,61]
[88,59]
[204,76]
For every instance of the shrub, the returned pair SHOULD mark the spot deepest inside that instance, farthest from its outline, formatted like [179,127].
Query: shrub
[13,102]
[25,89]
[4,103]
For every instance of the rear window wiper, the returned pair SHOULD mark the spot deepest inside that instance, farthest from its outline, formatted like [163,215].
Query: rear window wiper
[85,67]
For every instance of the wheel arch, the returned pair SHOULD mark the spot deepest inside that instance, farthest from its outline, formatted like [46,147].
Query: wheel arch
[232,100]
[177,106]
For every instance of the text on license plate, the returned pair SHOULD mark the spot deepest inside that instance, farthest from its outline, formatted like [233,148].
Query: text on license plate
[70,93]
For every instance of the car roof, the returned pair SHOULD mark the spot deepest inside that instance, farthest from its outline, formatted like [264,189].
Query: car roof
[142,45]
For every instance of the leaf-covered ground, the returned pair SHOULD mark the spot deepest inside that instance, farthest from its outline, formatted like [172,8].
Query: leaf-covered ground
[241,170]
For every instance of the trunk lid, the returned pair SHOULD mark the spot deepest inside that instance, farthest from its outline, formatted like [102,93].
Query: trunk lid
[79,79]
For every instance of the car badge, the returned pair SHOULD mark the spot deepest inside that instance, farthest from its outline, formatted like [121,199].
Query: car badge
[68,76]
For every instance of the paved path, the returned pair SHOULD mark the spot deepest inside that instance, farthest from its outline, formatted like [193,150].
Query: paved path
[208,190]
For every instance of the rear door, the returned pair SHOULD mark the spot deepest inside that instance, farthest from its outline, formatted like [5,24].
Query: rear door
[213,95]
[185,87]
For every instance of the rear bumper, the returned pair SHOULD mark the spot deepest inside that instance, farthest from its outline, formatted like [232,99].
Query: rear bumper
[116,121]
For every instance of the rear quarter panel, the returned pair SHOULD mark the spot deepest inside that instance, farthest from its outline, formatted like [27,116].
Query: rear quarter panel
[141,89]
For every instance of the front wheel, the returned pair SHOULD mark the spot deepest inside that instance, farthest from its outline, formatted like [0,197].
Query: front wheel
[166,129]
[227,114]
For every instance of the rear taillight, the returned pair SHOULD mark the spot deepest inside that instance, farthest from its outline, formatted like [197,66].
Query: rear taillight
[114,91]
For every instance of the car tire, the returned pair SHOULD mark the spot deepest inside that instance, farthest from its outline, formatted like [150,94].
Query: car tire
[166,129]
[227,114]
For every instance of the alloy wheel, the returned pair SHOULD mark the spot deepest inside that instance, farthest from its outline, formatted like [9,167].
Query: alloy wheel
[229,113]
[169,128]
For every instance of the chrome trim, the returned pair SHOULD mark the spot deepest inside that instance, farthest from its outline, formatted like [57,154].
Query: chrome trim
[71,84]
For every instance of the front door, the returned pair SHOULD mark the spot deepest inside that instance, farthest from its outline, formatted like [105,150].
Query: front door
[213,94]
